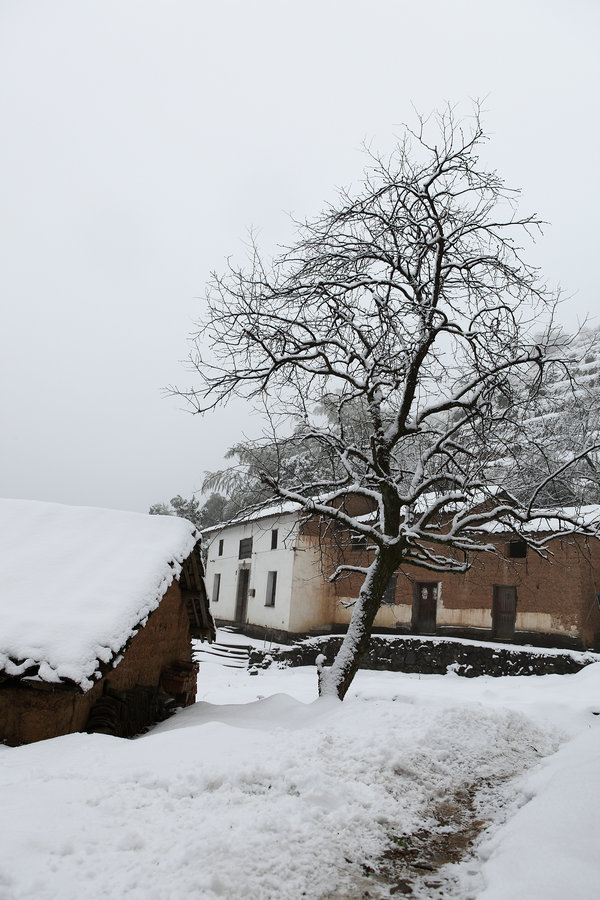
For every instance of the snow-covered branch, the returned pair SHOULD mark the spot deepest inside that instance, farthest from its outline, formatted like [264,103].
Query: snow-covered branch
[396,346]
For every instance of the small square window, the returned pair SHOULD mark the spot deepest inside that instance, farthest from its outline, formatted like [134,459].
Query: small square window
[271,588]
[245,548]
[216,588]
[274,534]
[517,549]
[389,596]
[221,547]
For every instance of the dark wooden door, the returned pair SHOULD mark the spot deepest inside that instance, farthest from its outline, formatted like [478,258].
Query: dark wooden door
[425,607]
[241,604]
[504,612]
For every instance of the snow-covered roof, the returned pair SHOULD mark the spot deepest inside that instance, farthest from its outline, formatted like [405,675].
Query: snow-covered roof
[265,512]
[274,510]
[77,582]
[554,520]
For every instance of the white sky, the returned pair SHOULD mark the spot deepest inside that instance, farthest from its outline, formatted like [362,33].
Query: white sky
[142,138]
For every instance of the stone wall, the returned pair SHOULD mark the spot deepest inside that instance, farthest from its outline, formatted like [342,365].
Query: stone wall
[431,657]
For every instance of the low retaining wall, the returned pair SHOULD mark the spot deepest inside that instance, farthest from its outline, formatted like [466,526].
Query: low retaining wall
[431,657]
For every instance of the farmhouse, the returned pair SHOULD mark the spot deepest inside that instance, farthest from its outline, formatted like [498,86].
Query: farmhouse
[270,573]
[98,608]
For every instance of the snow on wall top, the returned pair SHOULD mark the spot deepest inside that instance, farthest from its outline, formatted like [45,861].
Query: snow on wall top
[77,582]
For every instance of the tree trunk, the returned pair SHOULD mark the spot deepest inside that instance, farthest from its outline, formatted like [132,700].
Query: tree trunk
[337,678]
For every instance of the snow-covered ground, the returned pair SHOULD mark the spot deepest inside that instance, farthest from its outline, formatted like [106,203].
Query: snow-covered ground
[260,791]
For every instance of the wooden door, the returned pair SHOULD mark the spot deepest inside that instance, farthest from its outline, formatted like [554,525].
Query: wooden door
[504,612]
[241,604]
[425,607]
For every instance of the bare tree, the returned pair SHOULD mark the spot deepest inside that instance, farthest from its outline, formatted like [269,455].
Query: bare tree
[396,337]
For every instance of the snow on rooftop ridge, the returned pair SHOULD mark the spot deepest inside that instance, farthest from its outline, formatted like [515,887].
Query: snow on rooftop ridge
[265,512]
[554,519]
[77,582]
[546,520]
[278,509]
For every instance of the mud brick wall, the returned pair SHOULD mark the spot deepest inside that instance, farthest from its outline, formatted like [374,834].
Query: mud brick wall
[556,597]
[432,657]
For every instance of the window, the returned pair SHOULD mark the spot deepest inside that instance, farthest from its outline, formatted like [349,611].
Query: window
[245,548]
[221,547]
[274,539]
[517,549]
[216,588]
[389,597]
[271,588]
[358,542]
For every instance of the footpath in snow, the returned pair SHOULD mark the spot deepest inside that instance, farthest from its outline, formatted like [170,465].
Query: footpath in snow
[428,786]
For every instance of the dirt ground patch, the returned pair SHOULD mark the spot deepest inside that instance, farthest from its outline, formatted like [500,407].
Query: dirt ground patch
[417,864]
[414,862]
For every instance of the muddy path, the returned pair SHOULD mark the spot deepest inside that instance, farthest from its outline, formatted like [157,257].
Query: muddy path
[418,864]
[423,864]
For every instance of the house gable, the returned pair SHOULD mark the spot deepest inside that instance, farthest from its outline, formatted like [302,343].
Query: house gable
[250,567]
[107,629]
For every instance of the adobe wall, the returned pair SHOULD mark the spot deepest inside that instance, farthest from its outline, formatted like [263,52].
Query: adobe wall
[549,592]
[590,588]
[556,598]
[34,713]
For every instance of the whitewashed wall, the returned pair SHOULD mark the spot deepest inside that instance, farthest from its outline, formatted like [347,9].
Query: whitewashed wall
[262,561]
[314,598]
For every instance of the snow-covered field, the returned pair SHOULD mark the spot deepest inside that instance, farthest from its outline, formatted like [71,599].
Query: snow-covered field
[260,791]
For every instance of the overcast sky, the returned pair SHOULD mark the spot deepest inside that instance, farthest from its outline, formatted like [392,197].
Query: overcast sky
[142,138]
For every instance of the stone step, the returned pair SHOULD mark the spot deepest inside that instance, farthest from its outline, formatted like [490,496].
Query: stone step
[232,655]
[229,657]
[232,648]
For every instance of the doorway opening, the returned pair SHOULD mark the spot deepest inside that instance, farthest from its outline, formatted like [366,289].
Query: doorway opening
[424,616]
[504,612]
[241,602]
